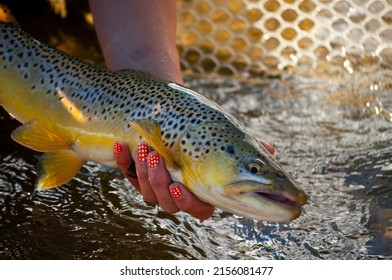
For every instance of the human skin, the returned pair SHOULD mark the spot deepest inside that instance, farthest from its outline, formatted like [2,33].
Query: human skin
[141,35]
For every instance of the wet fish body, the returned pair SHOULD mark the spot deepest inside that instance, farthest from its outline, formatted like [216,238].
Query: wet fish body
[74,111]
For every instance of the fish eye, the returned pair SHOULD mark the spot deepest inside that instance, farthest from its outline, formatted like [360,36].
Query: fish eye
[254,169]
[257,167]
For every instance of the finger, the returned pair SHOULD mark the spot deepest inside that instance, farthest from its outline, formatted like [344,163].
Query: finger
[124,161]
[142,173]
[189,203]
[269,148]
[160,180]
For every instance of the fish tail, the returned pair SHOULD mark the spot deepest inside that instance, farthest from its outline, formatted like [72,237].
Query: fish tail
[6,14]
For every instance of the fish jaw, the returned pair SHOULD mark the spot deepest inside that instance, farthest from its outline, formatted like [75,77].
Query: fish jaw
[266,202]
[244,200]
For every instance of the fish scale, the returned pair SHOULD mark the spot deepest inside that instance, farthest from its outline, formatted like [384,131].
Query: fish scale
[74,111]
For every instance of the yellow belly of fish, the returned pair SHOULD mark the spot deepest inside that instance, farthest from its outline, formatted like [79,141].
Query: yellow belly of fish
[96,149]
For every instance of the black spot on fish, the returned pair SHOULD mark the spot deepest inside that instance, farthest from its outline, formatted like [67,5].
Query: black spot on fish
[230,149]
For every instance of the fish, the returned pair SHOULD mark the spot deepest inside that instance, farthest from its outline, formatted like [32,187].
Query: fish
[74,111]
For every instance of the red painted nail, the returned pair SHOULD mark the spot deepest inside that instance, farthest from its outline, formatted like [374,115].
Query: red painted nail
[153,160]
[142,151]
[269,148]
[117,148]
[176,192]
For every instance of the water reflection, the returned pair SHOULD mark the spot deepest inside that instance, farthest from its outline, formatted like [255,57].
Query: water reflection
[373,172]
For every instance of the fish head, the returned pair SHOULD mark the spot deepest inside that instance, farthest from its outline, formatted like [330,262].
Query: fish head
[233,171]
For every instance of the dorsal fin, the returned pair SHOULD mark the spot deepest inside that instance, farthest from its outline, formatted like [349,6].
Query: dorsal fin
[6,15]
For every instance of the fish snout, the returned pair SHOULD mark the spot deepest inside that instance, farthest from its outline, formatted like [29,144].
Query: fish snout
[289,189]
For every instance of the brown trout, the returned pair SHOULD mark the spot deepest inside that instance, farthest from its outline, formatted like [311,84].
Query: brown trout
[74,112]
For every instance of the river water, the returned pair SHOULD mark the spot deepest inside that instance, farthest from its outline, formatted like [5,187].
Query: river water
[332,132]
[332,138]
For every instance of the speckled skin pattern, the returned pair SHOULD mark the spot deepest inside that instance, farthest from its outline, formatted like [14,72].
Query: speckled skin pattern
[88,109]
[107,98]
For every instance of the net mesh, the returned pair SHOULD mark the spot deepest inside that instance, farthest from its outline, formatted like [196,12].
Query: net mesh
[258,36]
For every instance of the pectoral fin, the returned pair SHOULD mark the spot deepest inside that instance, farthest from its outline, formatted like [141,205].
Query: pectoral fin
[151,131]
[57,168]
[37,137]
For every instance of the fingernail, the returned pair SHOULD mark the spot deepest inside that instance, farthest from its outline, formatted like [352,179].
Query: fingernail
[117,148]
[142,151]
[153,160]
[269,147]
[176,192]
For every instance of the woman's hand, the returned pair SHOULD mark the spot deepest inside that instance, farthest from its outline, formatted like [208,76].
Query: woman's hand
[154,183]
[149,175]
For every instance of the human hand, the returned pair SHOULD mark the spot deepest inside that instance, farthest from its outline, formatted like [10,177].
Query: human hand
[150,177]
[154,183]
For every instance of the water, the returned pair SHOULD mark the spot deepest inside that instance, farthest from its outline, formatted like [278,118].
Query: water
[337,149]
[332,132]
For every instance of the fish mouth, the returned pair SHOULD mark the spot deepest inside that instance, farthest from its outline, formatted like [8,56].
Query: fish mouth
[279,198]
[287,197]
[263,201]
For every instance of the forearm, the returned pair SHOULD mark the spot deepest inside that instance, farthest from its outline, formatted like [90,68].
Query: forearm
[136,34]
